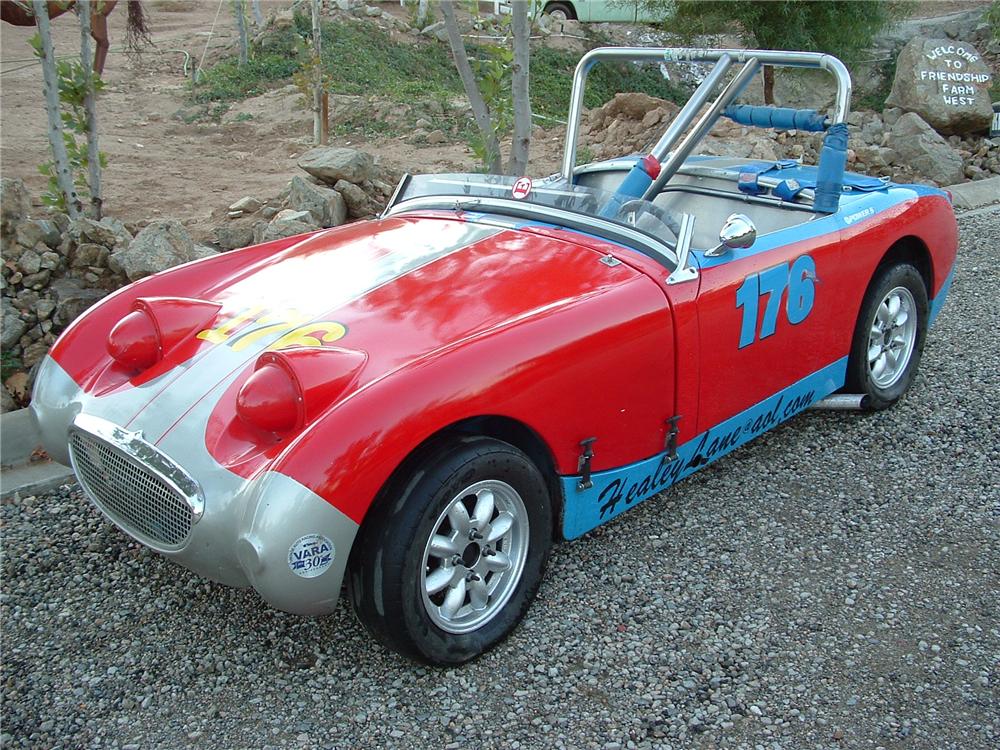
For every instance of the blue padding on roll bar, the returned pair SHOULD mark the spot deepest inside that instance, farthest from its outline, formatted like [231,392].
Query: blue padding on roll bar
[780,118]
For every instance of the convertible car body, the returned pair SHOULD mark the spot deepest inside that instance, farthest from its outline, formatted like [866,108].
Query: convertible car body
[421,403]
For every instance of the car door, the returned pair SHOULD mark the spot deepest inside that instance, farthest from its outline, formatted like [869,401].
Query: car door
[773,332]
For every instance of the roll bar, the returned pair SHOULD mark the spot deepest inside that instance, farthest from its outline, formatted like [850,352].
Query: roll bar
[723,59]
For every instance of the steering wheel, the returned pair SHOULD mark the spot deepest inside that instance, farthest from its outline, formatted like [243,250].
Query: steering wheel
[634,211]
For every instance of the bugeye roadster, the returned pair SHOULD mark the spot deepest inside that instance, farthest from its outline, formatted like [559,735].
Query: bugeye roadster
[422,403]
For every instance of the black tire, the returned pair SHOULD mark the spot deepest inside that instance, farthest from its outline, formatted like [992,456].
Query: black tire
[863,375]
[554,9]
[389,562]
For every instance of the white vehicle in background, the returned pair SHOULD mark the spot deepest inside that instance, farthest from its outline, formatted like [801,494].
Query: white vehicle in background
[591,11]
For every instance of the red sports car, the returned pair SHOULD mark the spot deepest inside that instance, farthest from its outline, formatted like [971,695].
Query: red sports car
[421,404]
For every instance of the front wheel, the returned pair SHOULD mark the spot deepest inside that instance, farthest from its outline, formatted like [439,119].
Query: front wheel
[445,569]
[889,336]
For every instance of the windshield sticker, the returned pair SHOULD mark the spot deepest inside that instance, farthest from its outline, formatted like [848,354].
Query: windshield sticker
[521,188]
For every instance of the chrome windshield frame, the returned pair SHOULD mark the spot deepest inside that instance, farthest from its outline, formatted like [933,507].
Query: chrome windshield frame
[649,245]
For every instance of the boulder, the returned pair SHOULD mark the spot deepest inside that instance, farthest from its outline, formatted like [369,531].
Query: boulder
[946,83]
[14,201]
[12,328]
[247,205]
[355,198]
[919,147]
[325,205]
[7,402]
[286,226]
[30,262]
[330,163]
[159,246]
[234,236]
[90,254]
[30,233]
[88,230]
[71,299]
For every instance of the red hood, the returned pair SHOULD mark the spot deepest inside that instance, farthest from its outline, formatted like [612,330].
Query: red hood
[396,290]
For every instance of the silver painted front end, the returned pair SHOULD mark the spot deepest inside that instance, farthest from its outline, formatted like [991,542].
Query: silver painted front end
[242,532]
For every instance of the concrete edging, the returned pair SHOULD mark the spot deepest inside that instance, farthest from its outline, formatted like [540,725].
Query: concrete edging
[966,195]
[19,439]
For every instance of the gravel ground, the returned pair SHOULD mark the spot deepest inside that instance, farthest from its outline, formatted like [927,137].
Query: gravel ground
[833,584]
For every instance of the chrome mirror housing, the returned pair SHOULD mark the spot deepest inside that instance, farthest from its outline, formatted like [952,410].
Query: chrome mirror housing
[738,231]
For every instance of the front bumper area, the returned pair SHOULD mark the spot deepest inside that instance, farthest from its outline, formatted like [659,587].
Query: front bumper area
[268,532]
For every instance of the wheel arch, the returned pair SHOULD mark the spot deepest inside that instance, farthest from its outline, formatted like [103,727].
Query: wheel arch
[910,249]
[492,426]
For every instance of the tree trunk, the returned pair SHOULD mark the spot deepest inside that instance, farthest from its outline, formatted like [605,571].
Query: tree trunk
[479,109]
[518,163]
[258,16]
[239,8]
[90,107]
[421,13]
[319,122]
[63,176]
[768,84]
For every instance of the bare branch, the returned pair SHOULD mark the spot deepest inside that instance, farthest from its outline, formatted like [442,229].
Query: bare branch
[520,25]
[90,107]
[479,109]
[63,176]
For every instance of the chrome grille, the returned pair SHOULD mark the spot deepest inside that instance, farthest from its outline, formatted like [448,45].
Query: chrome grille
[135,498]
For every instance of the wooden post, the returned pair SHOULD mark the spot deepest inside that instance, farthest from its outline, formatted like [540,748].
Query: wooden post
[239,8]
[90,107]
[63,176]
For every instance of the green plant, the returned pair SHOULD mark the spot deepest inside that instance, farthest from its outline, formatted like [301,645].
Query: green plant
[228,81]
[492,66]
[413,11]
[9,364]
[73,86]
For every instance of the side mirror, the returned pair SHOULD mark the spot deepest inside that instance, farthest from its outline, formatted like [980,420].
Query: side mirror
[738,231]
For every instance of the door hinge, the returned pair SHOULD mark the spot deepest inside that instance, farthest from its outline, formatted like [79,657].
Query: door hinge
[583,464]
[670,442]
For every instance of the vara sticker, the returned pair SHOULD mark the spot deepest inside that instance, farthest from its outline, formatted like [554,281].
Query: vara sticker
[311,555]
[521,188]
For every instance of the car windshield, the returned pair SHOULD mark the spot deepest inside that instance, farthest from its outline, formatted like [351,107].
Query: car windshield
[501,194]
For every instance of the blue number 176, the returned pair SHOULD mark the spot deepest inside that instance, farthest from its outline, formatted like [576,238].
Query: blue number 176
[801,283]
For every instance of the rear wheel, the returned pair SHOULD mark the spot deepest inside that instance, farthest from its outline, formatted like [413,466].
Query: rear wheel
[446,567]
[560,11]
[889,336]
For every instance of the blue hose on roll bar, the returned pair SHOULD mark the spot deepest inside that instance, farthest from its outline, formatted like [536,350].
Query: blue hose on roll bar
[780,118]
[830,174]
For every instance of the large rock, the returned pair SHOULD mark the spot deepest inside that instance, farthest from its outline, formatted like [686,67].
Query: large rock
[234,236]
[329,164]
[326,206]
[919,147]
[946,83]
[14,201]
[71,299]
[159,246]
[355,198]
[12,328]
[30,233]
[286,226]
